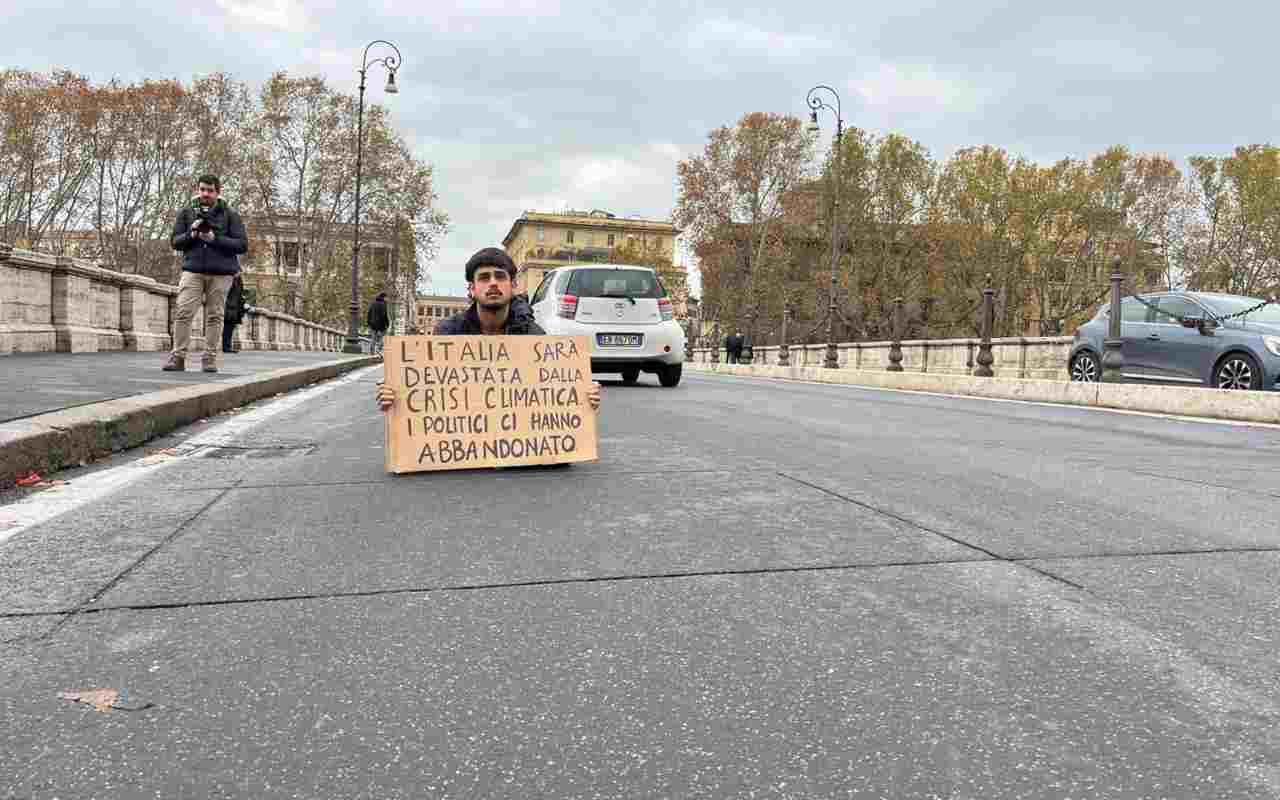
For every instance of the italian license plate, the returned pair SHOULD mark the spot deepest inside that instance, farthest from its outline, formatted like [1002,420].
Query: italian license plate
[619,339]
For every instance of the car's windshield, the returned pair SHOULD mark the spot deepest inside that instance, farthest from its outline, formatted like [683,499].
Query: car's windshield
[635,283]
[1226,306]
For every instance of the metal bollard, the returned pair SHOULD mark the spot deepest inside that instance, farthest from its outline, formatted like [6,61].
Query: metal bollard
[1113,358]
[784,351]
[895,345]
[985,359]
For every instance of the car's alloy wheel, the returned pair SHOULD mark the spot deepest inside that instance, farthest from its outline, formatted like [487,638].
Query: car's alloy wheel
[1237,372]
[1084,368]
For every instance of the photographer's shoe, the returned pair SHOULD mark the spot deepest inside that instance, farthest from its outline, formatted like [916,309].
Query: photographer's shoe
[176,363]
[209,363]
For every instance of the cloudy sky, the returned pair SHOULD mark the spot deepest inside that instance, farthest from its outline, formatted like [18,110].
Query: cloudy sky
[547,104]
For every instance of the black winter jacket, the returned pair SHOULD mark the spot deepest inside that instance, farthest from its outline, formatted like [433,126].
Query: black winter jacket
[377,316]
[467,323]
[218,257]
[235,310]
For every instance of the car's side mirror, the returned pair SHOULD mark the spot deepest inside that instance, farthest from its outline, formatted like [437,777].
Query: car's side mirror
[1206,325]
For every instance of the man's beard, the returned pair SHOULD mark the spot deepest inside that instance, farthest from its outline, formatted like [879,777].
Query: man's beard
[493,304]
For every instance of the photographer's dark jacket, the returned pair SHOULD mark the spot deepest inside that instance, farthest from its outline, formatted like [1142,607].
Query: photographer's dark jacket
[467,323]
[218,257]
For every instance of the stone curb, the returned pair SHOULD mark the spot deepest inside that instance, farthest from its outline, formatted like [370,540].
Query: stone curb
[60,439]
[1174,400]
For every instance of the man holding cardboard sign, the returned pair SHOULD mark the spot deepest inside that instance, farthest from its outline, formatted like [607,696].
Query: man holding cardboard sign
[476,401]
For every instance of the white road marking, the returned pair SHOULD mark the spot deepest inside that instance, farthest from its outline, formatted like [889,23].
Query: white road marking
[178,382]
[80,392]
[1152,414]
[45,505]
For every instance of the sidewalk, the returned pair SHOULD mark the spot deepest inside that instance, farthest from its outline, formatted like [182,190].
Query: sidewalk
[38,383]
[58,409]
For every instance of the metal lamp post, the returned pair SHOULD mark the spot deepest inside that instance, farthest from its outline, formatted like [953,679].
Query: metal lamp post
[391,63]
[815,101]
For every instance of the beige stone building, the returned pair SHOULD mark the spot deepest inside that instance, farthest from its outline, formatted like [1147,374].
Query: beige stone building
[539,241]
[434,307]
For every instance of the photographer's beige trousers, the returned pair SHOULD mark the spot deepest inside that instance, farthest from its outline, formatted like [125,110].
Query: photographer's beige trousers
[194,289]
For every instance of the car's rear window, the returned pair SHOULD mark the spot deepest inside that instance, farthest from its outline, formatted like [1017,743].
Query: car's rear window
[635,283]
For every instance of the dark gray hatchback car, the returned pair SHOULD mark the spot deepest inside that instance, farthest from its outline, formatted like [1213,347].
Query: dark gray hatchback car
[1188,339]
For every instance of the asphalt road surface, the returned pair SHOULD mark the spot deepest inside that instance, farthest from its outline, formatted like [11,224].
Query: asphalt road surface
[762,589]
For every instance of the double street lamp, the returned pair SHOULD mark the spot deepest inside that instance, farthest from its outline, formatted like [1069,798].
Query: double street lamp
[391,63]
[817,103]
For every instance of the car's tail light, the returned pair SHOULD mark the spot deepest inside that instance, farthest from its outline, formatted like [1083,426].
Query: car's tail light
[568,306]
[664,305]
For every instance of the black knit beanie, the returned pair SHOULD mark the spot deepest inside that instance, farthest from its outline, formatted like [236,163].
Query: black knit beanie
[490,257]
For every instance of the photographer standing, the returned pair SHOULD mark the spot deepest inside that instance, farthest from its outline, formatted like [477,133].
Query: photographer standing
[211,236]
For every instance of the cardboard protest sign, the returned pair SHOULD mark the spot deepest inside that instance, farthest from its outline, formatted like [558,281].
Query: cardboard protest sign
[464,402]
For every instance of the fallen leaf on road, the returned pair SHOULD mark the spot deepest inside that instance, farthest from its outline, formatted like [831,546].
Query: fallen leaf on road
[156,456]
[30,480]
[100,699]
[106,699]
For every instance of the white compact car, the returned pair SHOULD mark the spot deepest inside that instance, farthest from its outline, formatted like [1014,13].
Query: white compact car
[623,310]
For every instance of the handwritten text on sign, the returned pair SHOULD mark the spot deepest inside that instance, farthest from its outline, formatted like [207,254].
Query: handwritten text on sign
[464,402]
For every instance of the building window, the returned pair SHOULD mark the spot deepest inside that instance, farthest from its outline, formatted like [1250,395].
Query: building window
[611,240]
[542,232]
[568,236]
[287,254]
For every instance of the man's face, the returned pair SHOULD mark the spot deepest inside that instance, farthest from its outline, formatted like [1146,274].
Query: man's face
[208,193]
[492,288]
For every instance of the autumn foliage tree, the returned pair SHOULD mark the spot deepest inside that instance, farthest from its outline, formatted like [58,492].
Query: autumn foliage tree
[100,171]
[731,206]
[1231,240]
[937,232]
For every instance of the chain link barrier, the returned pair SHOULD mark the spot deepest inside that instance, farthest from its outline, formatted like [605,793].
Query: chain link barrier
[1128,285]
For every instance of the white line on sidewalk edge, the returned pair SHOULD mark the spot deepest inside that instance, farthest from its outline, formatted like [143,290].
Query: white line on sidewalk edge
[43,506]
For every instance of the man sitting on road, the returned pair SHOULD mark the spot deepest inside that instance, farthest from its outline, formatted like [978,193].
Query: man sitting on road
[495,310]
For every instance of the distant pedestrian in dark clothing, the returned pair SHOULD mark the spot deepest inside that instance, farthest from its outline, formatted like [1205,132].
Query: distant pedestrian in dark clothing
[378,320]
[233,315]
[733,345]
